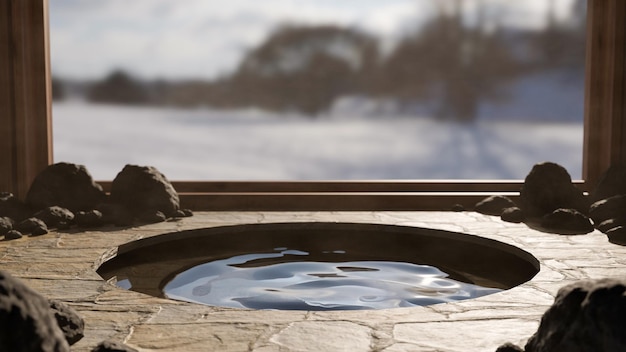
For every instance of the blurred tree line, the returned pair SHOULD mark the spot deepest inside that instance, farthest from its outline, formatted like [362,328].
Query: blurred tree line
[304,69]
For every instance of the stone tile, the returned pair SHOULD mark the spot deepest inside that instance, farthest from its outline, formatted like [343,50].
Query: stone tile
[465,335]
[329,336]
[61,265]
[199,337]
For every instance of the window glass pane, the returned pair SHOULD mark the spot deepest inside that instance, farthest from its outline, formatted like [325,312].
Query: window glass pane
[319,89]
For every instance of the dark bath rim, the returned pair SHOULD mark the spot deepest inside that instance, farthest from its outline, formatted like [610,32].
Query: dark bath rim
[154,261]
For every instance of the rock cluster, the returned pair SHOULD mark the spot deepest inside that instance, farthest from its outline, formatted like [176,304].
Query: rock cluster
[65,195]
[608,210]
[548,200]
[587,316]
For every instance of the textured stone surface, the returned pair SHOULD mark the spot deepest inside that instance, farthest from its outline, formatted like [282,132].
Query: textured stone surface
[90,218]
[26,319]
[548,187]
[612,183]
[32,226]
[509,347]
[617,235]
[54,215]
[567,222]
[6,225]
[112,346]
[13,235]
[494,205]
[66,185]
[61,266]
[513,214]
[144,191]
[69,321]
[586,316]
[609,208]
[12,207]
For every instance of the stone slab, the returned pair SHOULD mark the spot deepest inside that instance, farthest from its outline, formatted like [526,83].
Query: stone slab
[61,265]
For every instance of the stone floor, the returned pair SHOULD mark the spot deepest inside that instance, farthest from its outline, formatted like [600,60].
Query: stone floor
[61,265]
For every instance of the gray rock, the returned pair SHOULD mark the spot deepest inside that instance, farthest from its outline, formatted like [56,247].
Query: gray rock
[12,207]
[143,189]
[112,346]
[612,183]
[6,225]
[609,224]
[567,222]
[509,347]
[66,185]
[617,235]
[609,208]
[28,324]
[54,215]
[458,208]
[513,214]
[91,218]
[184,213]
[13,235]
[548,187]
[494,205]
[587,316]
[32,226]
[71,324]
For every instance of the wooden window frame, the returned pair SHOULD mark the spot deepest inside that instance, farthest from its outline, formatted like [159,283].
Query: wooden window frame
[26,128]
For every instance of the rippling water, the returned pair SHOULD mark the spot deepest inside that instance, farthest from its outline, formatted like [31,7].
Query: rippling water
[255,281]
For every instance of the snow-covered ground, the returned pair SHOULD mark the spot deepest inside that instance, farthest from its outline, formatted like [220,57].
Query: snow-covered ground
[205,144]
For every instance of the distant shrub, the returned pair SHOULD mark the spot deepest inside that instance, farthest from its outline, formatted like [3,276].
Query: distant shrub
[118,88]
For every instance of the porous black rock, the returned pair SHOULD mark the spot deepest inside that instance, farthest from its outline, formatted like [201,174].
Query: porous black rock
[587,316]
[143,189]
[65,185]
[27,321]
[494,205]
[548,187]
[112,346]
[567,222]
[609,208]
[458,208]
[184,213]
[12,207]
[6,225]
[91,218]
[611,183]
[509,347]
[609,224]
[32,226]
[513,214]
[617,235]
[13,235]
[71,324]
[53,216]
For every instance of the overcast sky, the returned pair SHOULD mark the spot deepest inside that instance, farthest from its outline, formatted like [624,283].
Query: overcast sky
[182,39]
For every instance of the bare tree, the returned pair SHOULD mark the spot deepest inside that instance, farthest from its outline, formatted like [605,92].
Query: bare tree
[452,62]
[304,68]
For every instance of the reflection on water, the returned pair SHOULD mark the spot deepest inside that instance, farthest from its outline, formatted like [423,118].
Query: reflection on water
[259,281]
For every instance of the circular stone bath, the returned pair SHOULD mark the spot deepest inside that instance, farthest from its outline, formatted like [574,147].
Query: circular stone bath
[308,265]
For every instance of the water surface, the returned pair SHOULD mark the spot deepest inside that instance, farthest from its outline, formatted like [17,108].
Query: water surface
[292,280]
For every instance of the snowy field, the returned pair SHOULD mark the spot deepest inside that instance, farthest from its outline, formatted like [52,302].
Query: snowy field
[205,144]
